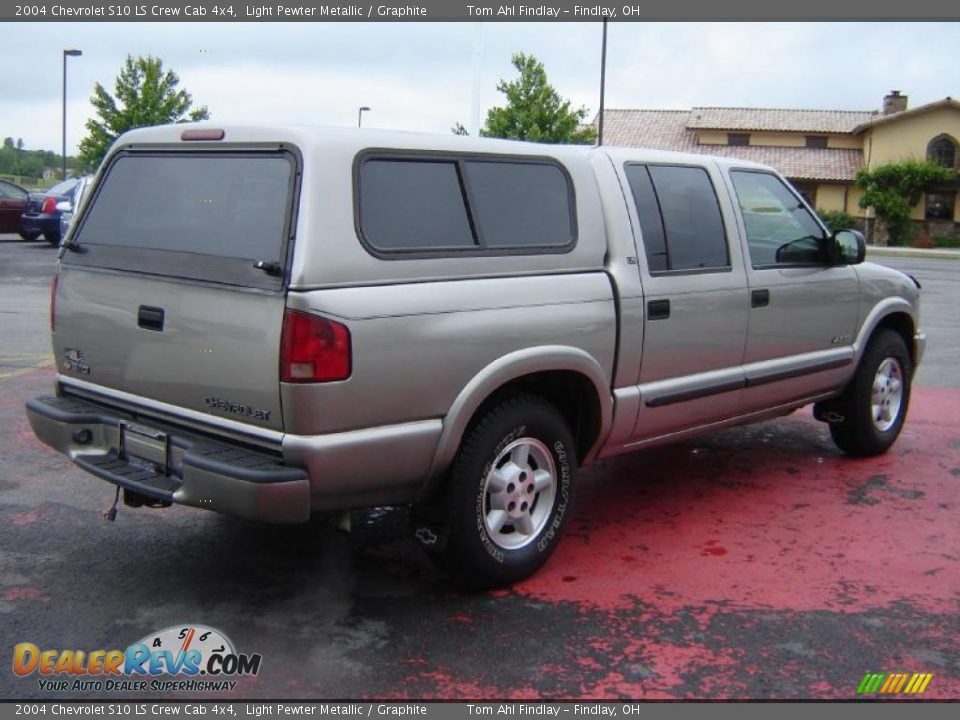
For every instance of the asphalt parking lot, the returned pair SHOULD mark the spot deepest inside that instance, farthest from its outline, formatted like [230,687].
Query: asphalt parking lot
[752,563]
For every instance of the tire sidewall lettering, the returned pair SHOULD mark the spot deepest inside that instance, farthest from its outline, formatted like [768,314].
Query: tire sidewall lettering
[480,500]
[560,508]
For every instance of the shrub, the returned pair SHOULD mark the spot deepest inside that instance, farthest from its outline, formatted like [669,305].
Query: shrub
[837,220]
[893,189]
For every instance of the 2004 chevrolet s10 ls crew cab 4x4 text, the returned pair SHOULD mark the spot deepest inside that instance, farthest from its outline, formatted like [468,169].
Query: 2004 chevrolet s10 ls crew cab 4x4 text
[271,321]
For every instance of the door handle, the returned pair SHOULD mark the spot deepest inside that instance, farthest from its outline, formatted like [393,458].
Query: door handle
[150,318]
[658,310]
[759,298]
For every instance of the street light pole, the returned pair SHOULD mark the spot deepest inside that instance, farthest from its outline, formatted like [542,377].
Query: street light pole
[603,82]
[71,53]
[360,115]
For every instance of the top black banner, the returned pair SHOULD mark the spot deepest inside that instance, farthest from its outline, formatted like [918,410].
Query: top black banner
[474,10]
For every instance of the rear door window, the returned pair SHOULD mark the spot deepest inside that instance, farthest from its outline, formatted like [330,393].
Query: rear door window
[679,218]
[198,216]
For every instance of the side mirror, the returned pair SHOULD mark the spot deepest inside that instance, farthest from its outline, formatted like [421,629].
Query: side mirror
[851,247]
[65,206]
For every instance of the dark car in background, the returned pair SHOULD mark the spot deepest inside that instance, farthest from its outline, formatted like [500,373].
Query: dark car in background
[42,215]
[13,202]
[69,207]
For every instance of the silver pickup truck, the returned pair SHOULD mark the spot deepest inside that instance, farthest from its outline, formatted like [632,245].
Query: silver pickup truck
[272,321]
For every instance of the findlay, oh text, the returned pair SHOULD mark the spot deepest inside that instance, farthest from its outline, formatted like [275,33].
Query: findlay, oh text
[546,11]
[544,709]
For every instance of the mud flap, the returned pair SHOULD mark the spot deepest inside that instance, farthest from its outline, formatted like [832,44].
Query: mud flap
[429,526]
[827,412]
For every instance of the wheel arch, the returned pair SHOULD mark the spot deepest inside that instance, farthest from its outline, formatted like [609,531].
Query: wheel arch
[894,314]
[567,377]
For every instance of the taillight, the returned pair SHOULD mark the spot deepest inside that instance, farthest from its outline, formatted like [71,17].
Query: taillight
[49,206]
[313,349]
[53,303]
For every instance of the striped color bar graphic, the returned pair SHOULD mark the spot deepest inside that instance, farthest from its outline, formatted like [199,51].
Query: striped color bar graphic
[894,683]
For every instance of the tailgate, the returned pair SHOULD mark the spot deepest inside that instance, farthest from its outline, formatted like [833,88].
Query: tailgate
[159,294]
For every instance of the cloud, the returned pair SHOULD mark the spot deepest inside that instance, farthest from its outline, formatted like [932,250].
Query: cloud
[329,96]
[419,76]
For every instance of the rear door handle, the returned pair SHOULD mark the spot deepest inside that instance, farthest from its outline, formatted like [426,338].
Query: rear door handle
[759,298]
[150,318]
[658,310]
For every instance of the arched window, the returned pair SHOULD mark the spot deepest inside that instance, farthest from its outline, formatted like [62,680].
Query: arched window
[943,150]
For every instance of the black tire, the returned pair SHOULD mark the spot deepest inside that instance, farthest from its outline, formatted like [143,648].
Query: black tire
[29,235]
[857,430]
[473,553]
[52,238]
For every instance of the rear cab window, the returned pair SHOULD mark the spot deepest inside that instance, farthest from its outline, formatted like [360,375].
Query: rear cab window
[444,204]
[193,215]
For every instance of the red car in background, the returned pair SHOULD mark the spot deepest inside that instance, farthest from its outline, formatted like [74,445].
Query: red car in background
[13,203]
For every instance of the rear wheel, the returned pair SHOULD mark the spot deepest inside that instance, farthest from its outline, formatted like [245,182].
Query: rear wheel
[510,494]
[870,413]
[29,235]
[52,237]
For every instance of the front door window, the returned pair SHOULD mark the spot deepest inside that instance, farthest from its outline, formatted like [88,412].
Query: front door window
[780,230]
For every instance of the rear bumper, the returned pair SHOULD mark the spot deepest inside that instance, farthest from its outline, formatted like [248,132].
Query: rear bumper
[40,223]
[169,465]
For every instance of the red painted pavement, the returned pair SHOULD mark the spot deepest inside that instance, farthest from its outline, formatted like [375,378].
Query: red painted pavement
[771,519]
[754,562]
[766,519]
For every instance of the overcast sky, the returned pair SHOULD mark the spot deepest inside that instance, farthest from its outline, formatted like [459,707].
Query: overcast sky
[420,76]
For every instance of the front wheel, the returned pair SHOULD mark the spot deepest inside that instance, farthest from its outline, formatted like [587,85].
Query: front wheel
[873,407]
[29,235]
[510,493]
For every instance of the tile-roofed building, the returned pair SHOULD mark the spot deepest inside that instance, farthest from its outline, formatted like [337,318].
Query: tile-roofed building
[660,129]
[820,121]
[668,130]
[800,163]
[820,151]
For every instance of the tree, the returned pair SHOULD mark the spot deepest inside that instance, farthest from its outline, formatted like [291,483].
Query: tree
[459,129]
[15,160]
[893,189]
[534,110]
[144,95]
